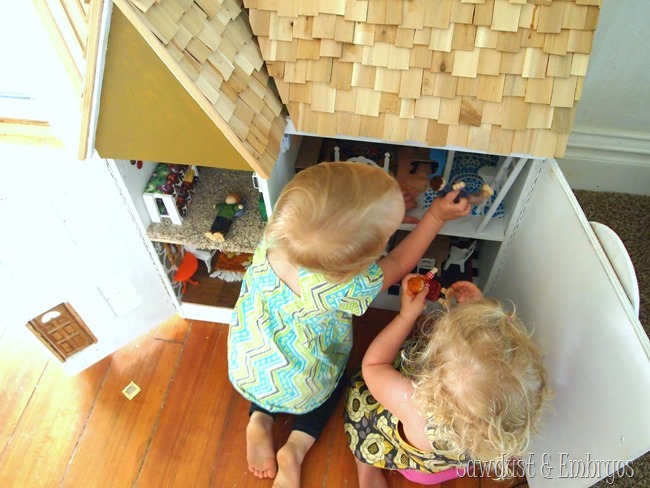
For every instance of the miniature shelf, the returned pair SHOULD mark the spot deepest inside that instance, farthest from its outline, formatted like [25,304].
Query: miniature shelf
[169,192]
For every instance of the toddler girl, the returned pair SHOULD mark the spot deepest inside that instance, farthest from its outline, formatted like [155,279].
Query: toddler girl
[291,330]
[471,388]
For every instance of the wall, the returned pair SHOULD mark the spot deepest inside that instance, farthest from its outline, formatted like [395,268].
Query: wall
[145,113]
[68,237]
[609,148]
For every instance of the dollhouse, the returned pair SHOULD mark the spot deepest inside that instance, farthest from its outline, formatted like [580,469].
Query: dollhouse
[250,88]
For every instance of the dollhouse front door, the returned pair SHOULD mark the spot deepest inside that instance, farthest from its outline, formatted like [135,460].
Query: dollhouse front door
[596,351]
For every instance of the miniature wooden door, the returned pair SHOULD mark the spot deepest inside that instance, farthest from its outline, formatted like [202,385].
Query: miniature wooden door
[596,351]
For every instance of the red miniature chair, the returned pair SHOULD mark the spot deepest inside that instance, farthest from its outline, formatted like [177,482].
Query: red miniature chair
[189,265]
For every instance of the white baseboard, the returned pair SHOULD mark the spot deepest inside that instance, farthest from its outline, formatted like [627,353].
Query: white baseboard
[607,161]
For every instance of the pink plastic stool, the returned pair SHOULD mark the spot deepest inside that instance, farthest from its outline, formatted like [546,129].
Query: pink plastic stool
[431,478]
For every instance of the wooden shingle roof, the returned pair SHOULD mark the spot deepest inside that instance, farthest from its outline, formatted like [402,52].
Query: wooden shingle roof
[500,76]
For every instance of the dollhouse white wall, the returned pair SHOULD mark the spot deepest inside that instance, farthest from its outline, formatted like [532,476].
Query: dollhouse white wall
[609,148]
[67,237]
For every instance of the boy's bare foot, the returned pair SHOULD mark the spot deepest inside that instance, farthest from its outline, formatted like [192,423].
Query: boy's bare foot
[260,453]
[290,458]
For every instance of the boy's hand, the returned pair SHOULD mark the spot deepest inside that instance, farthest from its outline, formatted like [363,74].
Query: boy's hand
[412,306]
[445,208]
[464,291]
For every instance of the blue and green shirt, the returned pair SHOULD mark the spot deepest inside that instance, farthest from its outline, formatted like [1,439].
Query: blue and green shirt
[286,353]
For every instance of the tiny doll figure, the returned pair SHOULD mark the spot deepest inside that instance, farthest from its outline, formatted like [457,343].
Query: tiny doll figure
[438,184]
[480,196]
[226,211]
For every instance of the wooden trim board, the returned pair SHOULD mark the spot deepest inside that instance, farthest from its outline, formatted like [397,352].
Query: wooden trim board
[615,162]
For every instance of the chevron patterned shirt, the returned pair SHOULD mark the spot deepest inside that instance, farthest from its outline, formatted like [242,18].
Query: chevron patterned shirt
[286,353]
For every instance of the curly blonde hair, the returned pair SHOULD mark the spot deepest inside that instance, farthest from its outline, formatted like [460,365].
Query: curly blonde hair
[336,218]
[480,381]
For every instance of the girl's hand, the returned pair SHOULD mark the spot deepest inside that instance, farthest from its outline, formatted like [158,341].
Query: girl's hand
[412,306]
[445,208]
[465,291]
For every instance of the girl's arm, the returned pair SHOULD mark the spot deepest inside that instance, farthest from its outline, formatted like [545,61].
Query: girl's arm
[407,253]
[388,386]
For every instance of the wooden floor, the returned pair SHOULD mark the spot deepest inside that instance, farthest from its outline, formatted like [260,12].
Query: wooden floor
[211,291]
[185,428]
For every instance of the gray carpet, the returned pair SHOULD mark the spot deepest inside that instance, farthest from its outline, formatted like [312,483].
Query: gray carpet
[629,217]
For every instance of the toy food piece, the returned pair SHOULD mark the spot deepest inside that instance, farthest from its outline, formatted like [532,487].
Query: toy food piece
[417,283]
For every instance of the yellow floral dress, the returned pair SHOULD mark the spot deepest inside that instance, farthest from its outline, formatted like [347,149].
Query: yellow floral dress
[373,435]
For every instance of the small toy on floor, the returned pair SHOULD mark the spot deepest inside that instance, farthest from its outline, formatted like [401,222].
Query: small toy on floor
[131,390]
[227,211]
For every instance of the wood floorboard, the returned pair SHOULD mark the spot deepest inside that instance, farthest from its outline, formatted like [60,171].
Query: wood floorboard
[21,368]
[317,464]
[118,432]
[230,463]
[51,425]
[184,432]
[186,428]
[341,470]
[175,330]
[211,291]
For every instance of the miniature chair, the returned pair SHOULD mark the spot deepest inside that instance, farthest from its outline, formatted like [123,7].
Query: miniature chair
[363,159]
[425,264]
[458,255]
[186,269]
[204,255]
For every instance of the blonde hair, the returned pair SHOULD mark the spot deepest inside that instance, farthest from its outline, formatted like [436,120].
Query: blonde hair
[336,218]
[480,381]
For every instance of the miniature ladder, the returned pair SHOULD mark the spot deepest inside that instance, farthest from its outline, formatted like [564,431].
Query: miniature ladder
[503,180]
